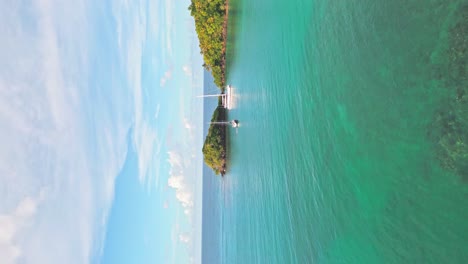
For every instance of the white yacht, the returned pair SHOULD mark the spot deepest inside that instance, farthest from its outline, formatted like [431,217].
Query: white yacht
[233,123]
[226,97]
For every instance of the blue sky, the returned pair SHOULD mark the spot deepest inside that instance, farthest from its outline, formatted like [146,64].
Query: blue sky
[101,132]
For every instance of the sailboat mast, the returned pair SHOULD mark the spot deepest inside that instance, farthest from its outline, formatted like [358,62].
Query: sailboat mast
[211,95]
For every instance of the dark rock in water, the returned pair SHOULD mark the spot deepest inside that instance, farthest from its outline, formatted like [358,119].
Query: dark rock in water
[449,129]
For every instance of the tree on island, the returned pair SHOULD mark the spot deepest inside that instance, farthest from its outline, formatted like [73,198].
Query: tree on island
[210,18]
[214,148]
[210,24]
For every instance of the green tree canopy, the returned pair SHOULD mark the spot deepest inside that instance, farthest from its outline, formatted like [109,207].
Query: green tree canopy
[209,18]
[214,148]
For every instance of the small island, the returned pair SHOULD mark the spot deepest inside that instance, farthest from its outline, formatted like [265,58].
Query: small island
[211,27]
[214,148]
[211,19]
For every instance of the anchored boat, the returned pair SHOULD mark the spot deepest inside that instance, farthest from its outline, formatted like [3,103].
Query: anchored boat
[226,97]
[233,123]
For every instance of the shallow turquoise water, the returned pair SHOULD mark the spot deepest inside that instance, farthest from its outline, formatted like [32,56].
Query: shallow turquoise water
[333,162]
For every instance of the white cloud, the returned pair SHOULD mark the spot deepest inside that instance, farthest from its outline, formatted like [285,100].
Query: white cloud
[14,222]
[64,142]
[59,157]
[166,77]
[180,182]
[175,160]
[190,127]
[185,238]
[156,113]
[145,139]
[169,13]
[185,174]
[187,70]
[154,23]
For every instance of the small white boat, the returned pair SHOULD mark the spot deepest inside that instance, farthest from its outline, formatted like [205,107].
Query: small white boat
[235,123]
[226,97]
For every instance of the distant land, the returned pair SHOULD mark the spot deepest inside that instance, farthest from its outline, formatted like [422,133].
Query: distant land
[214,149]
[211,27]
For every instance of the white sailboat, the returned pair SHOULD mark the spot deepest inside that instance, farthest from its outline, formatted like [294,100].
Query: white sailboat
[233,123]
[226,98]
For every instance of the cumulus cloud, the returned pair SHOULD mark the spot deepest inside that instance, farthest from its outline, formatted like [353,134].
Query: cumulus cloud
[60,154]
[63,140]
[189,126]
[13,223]
[187,70]
[167,76]
[184,195]
[185,238]
[180,182]
[185,175]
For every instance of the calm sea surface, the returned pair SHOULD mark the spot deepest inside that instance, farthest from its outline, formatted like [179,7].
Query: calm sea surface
[336,160]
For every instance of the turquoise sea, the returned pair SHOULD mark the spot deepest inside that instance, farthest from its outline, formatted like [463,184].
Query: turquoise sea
[351,146]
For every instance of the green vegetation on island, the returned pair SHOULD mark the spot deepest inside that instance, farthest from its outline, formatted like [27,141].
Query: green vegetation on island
[214,148]
[210,24]
[211,27]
